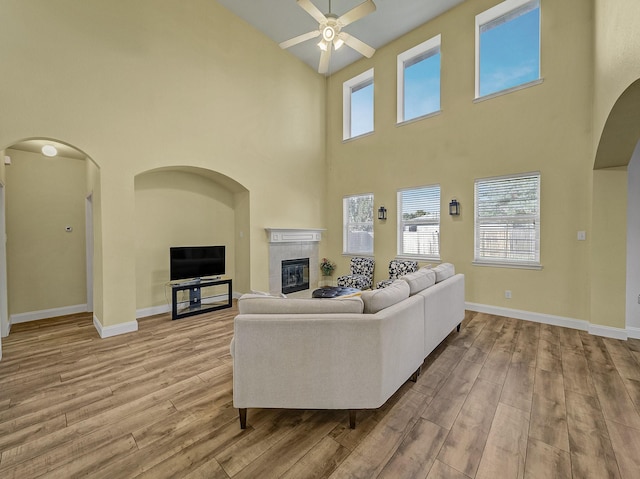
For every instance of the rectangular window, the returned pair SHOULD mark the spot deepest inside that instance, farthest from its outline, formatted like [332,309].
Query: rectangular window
[507,220]
[507,46]
[357,222]
[357,105]
[419,80]
[419,222]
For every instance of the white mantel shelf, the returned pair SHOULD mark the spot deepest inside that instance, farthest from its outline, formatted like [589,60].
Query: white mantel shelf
[294,235]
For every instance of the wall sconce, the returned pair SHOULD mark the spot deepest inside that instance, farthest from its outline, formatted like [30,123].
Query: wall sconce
[382,213]
[454,208]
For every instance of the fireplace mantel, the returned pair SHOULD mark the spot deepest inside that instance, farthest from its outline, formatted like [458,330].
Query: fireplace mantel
[294,235]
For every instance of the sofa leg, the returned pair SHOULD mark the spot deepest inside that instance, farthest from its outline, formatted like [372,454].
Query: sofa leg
[242,412]
[458,328]
[352,418]
[414,376]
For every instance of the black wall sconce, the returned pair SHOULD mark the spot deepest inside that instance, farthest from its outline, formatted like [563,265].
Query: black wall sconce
[454,208]
[382,213]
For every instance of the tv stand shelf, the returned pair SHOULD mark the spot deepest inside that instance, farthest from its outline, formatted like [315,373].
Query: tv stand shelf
[199,301]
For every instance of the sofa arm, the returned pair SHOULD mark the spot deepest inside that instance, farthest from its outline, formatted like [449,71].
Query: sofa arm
[444,310]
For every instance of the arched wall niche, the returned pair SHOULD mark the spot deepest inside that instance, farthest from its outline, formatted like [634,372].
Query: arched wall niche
[180,206]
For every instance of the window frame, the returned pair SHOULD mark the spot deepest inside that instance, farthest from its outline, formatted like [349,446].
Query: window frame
[505,262]
[401,223]
[500,10]
[348,87]
[426,50]
[346,223]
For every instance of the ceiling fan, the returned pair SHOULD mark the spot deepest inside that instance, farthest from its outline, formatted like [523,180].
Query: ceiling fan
[330,28]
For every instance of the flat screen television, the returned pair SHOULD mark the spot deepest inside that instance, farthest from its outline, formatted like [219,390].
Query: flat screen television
[196,261]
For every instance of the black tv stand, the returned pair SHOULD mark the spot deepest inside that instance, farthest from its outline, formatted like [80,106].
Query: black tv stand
[198,302]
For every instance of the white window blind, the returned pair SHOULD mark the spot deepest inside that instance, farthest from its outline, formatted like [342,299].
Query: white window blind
[507,220]
[357,224]
[419,222]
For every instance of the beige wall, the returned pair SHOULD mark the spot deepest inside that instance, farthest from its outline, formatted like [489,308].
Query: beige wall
[616,51]
[158,83]
[608,262]
[175,208]
[544,128]
[45,264]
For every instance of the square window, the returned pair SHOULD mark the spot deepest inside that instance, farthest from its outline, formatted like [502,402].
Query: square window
[357,222]
[507,46]
[419,80]
[357,110]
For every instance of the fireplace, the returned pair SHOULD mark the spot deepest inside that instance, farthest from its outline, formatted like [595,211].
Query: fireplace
[295,275]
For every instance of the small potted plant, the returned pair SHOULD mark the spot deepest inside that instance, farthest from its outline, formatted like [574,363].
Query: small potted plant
[327,267]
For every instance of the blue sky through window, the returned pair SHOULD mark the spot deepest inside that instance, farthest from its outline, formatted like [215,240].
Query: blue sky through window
[510,53]
[422,87]
[362,110]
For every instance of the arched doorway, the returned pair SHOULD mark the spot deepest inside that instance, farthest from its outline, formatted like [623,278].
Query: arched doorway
[45,259]
[619,149]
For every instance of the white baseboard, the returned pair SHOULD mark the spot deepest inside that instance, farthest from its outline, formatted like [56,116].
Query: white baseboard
[47,313]
[116,329]
[608,332]
[580,324]
[152,311]
[633,333]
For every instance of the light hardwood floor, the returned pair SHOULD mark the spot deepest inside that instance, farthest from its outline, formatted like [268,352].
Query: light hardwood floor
[501,399]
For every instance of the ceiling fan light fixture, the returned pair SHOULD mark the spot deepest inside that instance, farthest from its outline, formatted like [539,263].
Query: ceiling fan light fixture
[337,43]
[323,45]
[328,33]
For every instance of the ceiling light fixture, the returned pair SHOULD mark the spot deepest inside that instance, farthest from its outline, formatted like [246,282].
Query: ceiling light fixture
[330,28]
[49,150]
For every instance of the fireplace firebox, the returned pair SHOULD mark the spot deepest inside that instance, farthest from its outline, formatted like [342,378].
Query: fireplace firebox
[295,275]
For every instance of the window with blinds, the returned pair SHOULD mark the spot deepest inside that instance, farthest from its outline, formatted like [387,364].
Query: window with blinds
[419,222]
[357,222]
[507,220]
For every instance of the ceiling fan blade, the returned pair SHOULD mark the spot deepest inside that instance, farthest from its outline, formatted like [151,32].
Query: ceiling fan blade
[357,45]
[356,13]
[299,39]
[325,56]
[312,10]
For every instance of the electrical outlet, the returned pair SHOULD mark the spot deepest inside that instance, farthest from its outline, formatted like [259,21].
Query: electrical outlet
[507,294]
[582,235]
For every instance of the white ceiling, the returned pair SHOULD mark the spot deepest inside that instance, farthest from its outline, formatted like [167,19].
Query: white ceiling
[281,20]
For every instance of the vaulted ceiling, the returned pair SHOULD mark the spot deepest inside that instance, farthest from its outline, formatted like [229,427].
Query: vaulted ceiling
[281,20]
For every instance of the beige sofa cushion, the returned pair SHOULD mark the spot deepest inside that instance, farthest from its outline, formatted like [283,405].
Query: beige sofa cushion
[420,280]
[444,271]
[260,304]
[378,299]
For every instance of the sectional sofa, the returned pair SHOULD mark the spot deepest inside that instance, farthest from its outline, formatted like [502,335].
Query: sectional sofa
[345,353]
